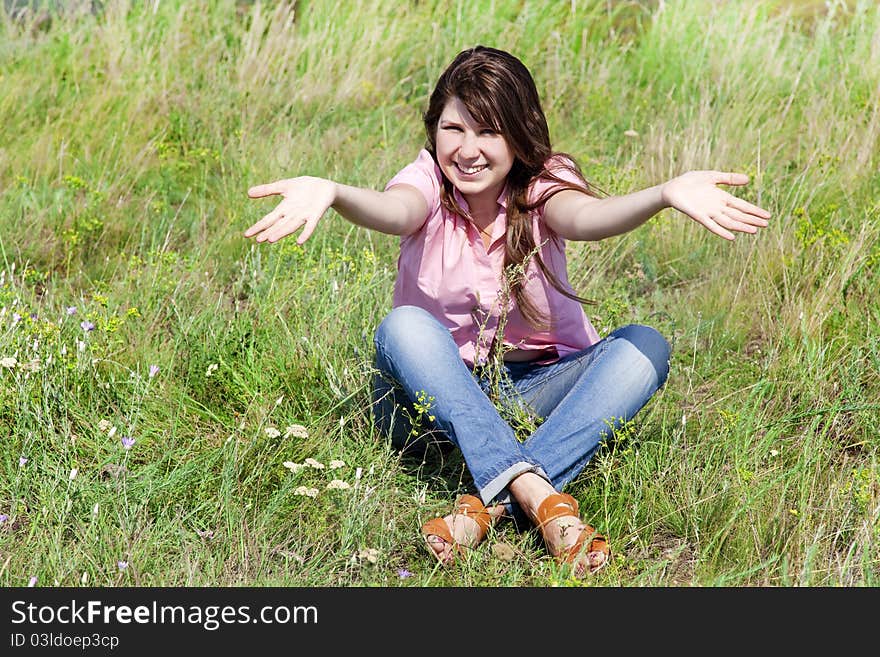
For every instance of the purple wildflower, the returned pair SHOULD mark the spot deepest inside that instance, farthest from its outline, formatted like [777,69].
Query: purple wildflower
[33,581]
[403,573]
[122,565]
[16,318]
[154,370]
[21,461]
[71,310]
[127,442]
[3,518]
[87,325]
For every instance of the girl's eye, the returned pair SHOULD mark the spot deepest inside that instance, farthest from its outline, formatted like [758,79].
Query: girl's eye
[452,128]
[488,132]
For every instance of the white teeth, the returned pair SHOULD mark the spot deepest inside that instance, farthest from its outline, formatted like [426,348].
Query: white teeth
[470,170]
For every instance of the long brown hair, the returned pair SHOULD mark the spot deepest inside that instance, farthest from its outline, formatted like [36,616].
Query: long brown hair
[499,92]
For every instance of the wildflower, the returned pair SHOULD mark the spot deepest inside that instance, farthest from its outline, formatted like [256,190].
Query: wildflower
[87,326]
[774,452]
[403,573]
[73,474]
[104,425]
[3,518]
[272,432]
[312,463]
[303,490]
[293,467]
[211,369]
[127,442]
[296,431]
[71,310]
[16,318]
[21,461]
[154,370]
[334,464]
[369,554]
[338,484]
[112,431]
[358,473]
[8,362]
[32,581]
[122,565]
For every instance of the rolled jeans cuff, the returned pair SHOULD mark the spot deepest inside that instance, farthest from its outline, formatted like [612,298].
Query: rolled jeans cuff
[498,484]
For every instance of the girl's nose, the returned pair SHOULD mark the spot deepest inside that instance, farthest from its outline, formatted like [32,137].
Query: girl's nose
[469,148]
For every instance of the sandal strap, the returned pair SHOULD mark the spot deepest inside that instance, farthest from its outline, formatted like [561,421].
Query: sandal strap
[473,507]
[557,505]
[438,527]
[597,544]
[467,505]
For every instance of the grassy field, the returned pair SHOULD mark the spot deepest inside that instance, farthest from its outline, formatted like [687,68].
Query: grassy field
[157,370]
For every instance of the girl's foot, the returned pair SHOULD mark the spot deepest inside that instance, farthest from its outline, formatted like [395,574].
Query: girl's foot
[567,537]
[464,530]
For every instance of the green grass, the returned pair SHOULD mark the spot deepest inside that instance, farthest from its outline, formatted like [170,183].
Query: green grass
[128,139]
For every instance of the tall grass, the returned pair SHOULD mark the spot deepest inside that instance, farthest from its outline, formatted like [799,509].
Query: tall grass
[128,137]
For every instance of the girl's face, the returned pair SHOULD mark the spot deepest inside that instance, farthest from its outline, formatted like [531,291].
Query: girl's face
[472,156]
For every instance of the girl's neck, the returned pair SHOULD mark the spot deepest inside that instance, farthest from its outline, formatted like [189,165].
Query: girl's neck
[483,205]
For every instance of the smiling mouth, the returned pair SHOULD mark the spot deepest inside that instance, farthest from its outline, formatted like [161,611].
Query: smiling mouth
[471,170]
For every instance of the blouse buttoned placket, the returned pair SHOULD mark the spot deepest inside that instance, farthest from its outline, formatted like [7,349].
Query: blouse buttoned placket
[487,312]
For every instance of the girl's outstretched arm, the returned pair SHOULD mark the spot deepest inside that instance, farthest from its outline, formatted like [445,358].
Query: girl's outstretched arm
[400,210]
[577,216]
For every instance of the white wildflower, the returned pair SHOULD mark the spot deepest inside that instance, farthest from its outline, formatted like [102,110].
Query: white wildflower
[272,432]
[112,431]
[293,467]
[211,369]
[104,425]
[312,463]
[73,474]
[296,431]
[338,484]
[8,362]
[303,490]
[369,554]
[336,463]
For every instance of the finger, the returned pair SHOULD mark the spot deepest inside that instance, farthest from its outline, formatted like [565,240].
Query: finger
[730,178]
[264,223]
[269,189]
[744,217]
[311,223]
[283,229]
[713,227]
[728,222]
[745,206]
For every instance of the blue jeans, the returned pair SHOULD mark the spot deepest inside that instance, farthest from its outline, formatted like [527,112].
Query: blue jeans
[581,398]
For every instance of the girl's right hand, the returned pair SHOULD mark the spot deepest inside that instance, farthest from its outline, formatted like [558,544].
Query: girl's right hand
[305,200]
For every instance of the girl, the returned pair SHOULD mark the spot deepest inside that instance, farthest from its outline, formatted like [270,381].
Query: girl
[483,214]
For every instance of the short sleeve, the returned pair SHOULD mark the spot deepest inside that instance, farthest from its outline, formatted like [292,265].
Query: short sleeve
[560,167]
[423,174]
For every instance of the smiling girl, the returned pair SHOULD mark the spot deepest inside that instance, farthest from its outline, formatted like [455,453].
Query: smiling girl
[483,214]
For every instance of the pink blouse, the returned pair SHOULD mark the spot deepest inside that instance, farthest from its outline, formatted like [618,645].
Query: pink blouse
[444,267]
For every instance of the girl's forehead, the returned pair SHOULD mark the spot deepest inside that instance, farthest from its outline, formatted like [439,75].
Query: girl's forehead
[456,110]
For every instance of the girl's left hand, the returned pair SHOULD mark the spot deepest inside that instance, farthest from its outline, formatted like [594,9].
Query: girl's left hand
[696,194]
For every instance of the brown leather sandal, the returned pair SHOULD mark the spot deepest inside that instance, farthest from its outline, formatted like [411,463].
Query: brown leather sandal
[559,505]
[468,505]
